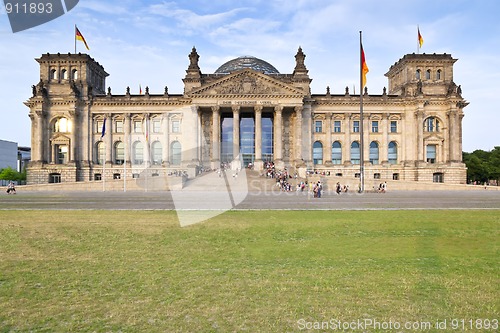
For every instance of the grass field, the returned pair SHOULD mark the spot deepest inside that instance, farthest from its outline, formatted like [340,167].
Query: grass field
[253,271]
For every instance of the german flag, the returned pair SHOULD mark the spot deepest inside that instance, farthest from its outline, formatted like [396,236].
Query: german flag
[364,68]
[79,36]
[420,39]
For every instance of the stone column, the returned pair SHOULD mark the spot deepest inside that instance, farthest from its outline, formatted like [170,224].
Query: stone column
[298,135]
[236,133]
[308,138]
[127,140]
[39,141]
[455,135]
[327,149]
[166,144]
[258,163]
[383,148]
[366,137]
[147,151]
[73,148]
[215,137]
[278,137]
[346,145]
[420,136]
[108,139]
[86,138]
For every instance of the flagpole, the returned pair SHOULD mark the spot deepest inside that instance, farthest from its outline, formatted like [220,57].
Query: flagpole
[125,162]
[361,146]
[74,37]
[104,168]
[418,40]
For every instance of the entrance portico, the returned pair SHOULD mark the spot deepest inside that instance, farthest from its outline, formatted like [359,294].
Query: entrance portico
[244,133]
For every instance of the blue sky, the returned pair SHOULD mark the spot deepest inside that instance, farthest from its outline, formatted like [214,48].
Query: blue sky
[147,43]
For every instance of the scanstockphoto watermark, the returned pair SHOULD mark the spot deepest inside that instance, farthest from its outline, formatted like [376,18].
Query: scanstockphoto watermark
[369,324]
[26,14]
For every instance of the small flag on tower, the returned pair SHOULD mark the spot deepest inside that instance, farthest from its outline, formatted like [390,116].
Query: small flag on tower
[420,39]
[79,36]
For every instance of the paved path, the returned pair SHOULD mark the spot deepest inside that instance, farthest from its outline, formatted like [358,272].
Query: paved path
[253,200]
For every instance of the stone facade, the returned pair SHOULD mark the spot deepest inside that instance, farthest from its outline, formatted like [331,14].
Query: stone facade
[246,109]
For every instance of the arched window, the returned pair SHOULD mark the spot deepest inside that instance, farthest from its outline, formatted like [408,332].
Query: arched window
[119,153]
[74,74]
[337,153]
[438,74]
[392,154]
[62,125]
[175,153]
[374,152]
[156,153]
[53,74]
[64,74]
[138,152]
[318,152]
[100,153]
[431,124]
[417,74]
[428,74]
[355,152]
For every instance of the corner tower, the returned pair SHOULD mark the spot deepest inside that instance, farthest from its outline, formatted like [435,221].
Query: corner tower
[59,112]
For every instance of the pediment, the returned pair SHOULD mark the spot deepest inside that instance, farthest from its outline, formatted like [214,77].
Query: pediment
[433,138]
[60,139]
[247,82]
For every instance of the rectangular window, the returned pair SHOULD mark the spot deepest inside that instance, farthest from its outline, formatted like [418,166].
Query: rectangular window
[337,126]
[355,126]
[394,126]
[176,126]
[156,126]
[119,126]
[395,176]
[375,126]
[431,154]
[98,126]
[137,126]
[318,126]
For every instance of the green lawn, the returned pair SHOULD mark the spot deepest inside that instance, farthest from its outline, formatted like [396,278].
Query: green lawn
[254,271]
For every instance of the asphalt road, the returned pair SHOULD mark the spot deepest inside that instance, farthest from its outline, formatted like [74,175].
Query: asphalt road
[221,200]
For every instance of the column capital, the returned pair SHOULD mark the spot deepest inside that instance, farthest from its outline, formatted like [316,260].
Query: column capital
[278,108]
[258,108]
[235,108]
[215,108]
[298,110]
[146,115]
[127,115]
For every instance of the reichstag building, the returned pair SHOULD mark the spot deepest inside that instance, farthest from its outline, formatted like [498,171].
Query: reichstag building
[245,114]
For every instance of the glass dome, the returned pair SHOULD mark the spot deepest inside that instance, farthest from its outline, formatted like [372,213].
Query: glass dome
[246,62]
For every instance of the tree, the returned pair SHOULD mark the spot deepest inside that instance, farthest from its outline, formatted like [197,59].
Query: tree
[9,174]
[483,166]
